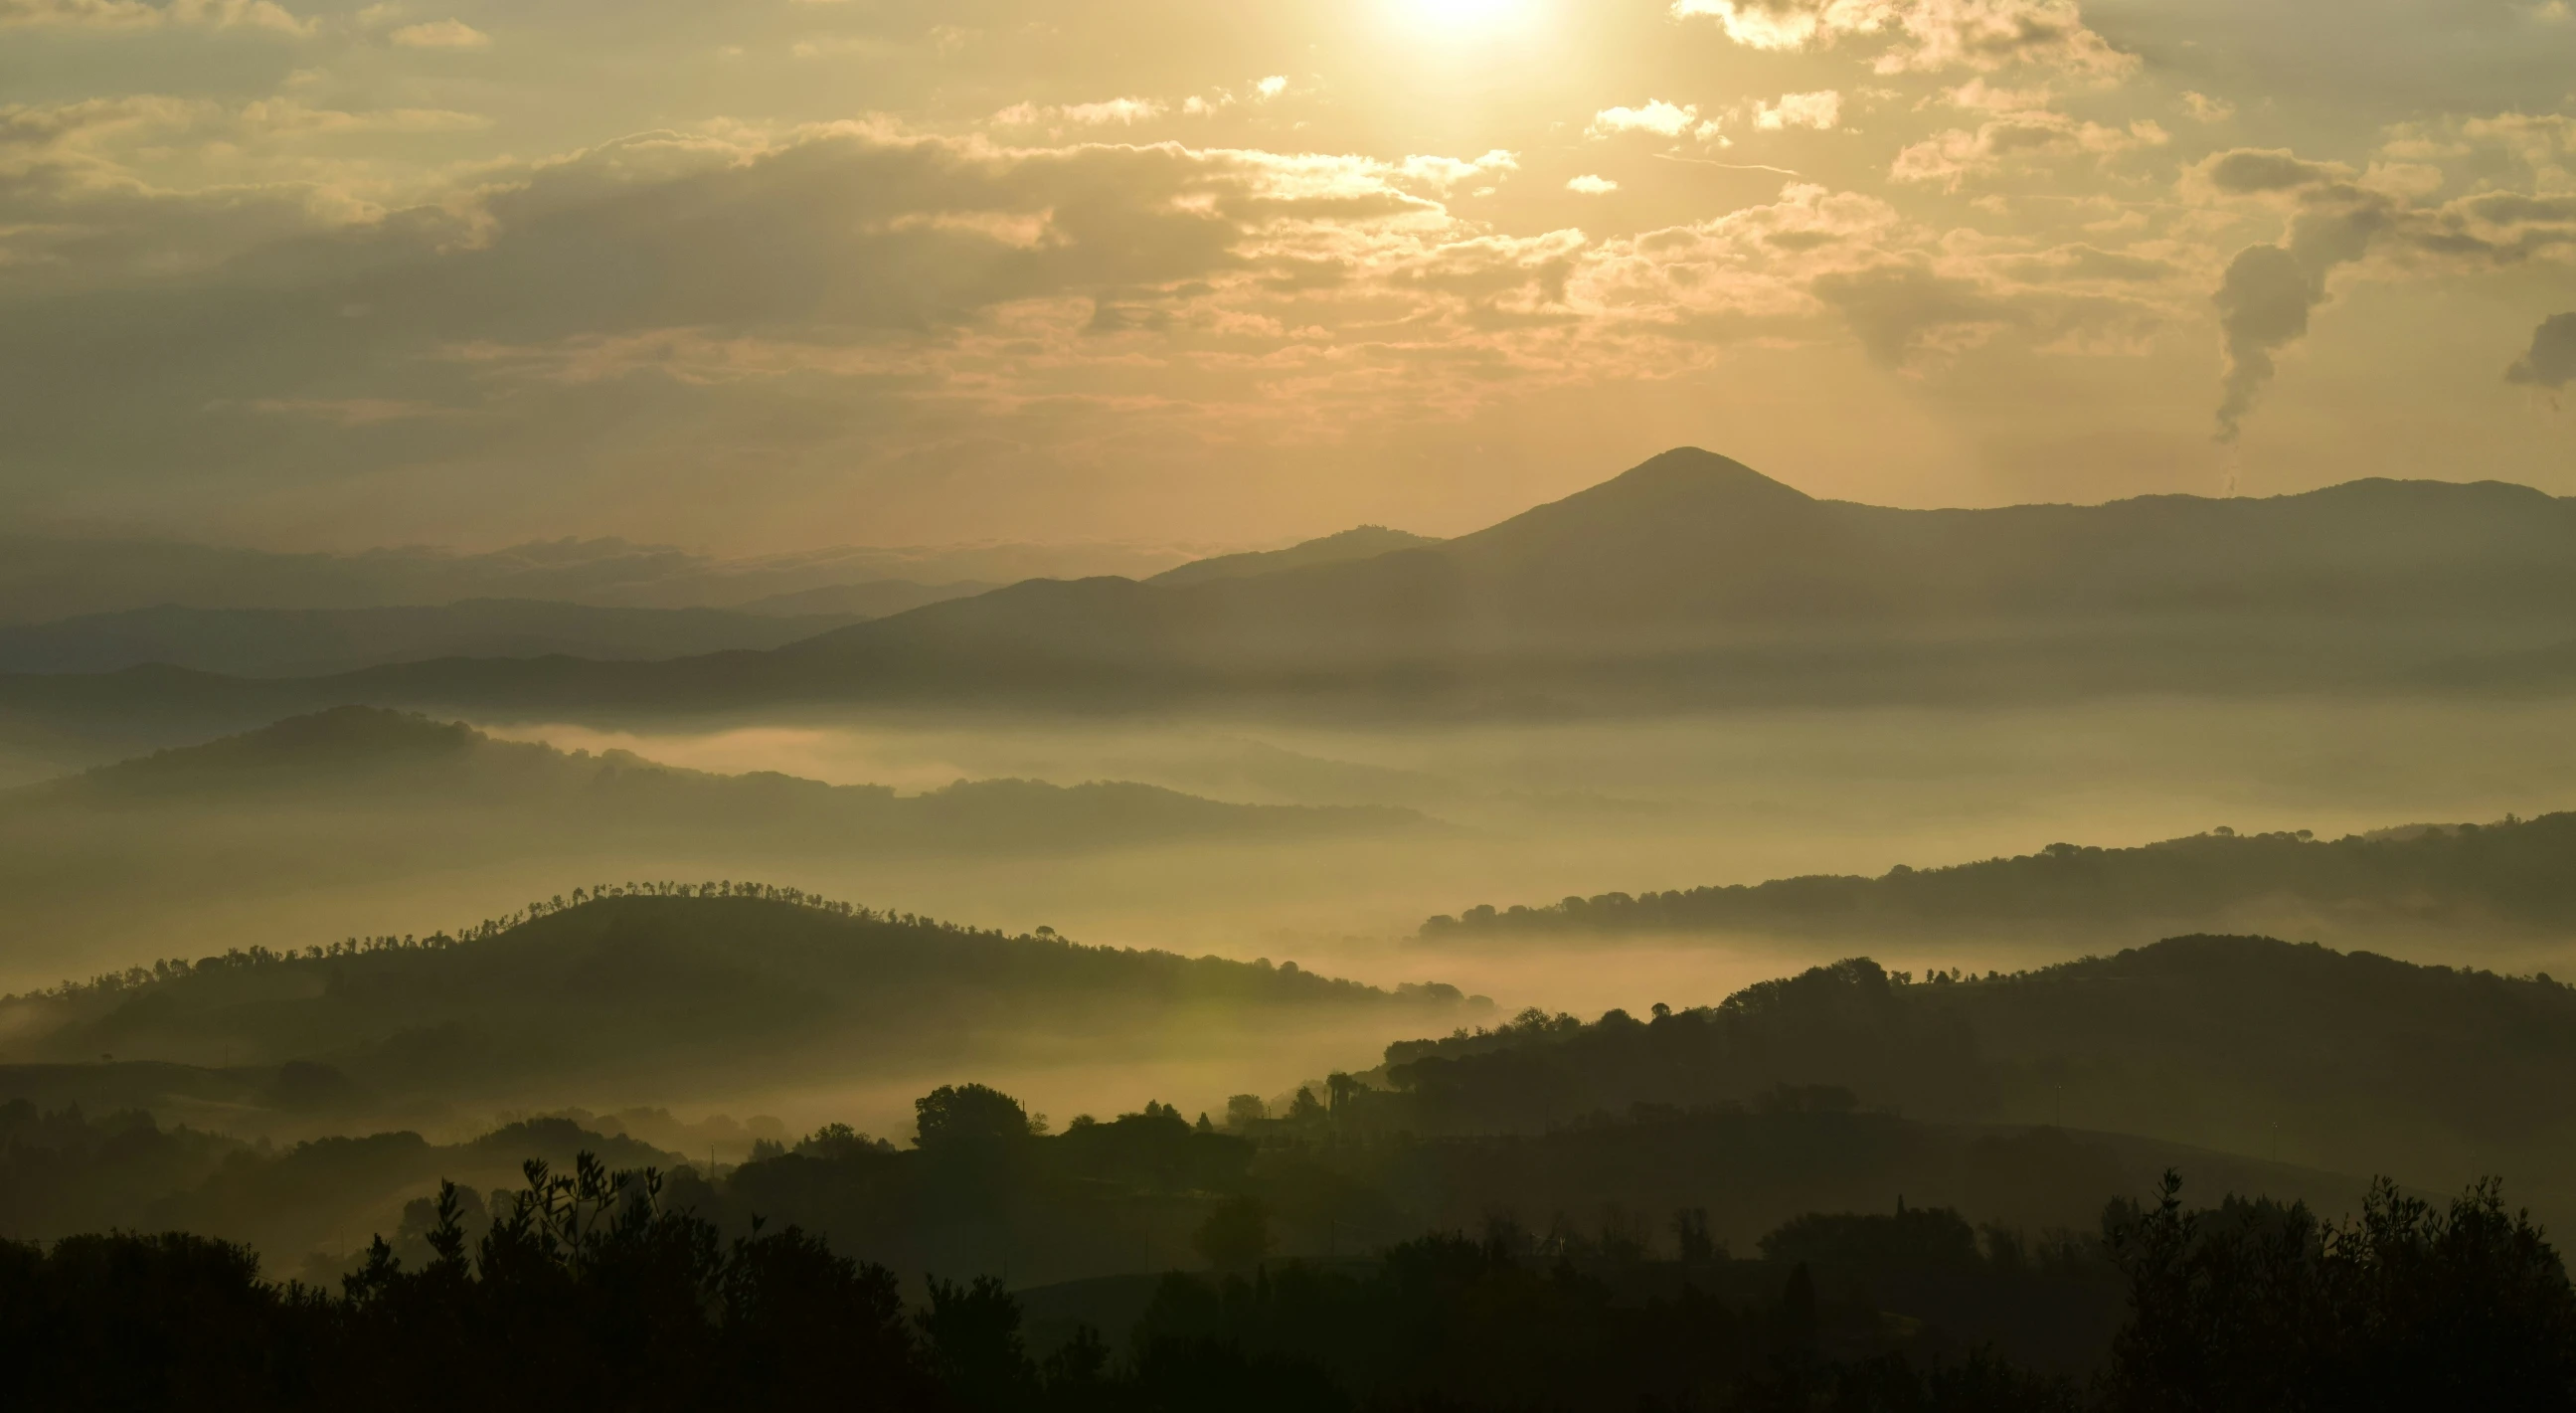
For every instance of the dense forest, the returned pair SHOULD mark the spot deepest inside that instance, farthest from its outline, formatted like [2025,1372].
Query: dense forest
[2017,1099]
[610,1288]
[2515,874]
[2244,1045]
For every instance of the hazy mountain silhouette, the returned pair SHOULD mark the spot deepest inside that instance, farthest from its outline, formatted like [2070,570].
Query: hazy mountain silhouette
[44,578]
[1364,542]
[2515,878]
[363,756]
[357,798]
[272,642]
[1689,580]
[877,598]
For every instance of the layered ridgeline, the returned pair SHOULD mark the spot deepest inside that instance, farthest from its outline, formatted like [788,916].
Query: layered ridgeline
[1689,581]
[248,829]
[2345,1061]
[46,578]
[1364,542]
[1843,1089]
[2515,878]
[293,642]
[654,994]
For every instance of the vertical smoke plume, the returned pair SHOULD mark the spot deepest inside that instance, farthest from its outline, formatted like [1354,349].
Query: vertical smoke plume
[2263,306]
[2269,290]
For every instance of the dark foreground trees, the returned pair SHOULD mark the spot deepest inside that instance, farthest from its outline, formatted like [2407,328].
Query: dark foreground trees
[589,1291]
[2407,1307]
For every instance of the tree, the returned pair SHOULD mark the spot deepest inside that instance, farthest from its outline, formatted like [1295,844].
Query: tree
[1236,1235]
[969,1113]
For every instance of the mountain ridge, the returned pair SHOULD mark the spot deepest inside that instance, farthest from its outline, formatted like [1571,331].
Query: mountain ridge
[1689,580]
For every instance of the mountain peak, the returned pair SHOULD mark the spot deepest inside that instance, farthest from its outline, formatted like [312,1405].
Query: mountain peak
[1673,503]
[1692,469]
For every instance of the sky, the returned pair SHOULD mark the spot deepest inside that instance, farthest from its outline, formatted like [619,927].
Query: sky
[760,275]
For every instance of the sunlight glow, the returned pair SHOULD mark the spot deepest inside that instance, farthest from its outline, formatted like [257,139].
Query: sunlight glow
[1465,19]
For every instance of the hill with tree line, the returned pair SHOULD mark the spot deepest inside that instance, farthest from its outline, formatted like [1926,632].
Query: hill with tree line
[2349,1062]
[2515,875]
[359,801]
[681,989]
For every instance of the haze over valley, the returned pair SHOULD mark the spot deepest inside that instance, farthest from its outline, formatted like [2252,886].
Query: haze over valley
[1357,706]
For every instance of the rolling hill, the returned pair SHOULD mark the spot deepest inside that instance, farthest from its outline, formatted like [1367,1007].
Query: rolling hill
[2516,877]
[367,805]
[650,993]
[2349,1062]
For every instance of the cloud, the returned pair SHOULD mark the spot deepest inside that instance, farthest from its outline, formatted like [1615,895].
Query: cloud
[1125,112]
[1589,185]
[2551,363]
[2269,291]
[1791,24]
[1821,110]
[1953,158]
[2248,172]
[144,15]
[1991,34]
[1935,34]
[2206,109]
[1900,311]
[1658,117]
[441,34]
[709,285]
[1439,174]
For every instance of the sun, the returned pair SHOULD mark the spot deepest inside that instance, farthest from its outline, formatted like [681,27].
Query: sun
[1464,18]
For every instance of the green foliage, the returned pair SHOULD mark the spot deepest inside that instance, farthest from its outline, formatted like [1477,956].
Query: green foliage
[965,1114]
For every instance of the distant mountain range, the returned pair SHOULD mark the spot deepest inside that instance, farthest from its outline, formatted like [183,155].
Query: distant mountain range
[46,578]
[307,642]
[1690,580]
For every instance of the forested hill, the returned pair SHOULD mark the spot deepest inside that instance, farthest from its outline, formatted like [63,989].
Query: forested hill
[658,990]
[2348,1061]
[2518,874]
